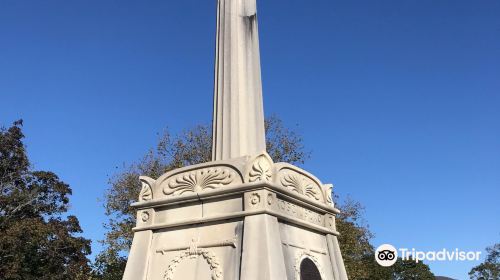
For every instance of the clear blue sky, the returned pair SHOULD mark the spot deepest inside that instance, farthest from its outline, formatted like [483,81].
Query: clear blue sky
[399,101]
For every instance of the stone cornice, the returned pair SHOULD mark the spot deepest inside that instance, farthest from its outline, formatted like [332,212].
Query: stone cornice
[233,190]
[193,181]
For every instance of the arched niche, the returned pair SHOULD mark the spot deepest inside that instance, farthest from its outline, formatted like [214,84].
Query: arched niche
[309,270]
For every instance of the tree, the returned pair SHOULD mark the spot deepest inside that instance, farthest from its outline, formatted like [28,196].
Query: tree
[354,239]
[411,270]
[108,265]
[490,268]
[36,240]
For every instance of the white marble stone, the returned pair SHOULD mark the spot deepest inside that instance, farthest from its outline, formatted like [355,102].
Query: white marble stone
[270,216]
[238,120]
[240,216]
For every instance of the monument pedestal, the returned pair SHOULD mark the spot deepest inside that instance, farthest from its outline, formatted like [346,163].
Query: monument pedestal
[237,217]
[244,218]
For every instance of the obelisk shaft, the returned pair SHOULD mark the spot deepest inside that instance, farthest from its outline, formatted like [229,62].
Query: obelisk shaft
[238,120]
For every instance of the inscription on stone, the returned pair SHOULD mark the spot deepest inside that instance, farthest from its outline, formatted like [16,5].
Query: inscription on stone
[296,211]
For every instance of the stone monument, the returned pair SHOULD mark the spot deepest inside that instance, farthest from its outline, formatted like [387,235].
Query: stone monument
[240,216]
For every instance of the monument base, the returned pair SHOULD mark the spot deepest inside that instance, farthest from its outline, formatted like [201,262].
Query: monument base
[246,218]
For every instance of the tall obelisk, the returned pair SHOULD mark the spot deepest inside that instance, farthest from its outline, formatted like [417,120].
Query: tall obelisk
[238,120]
[240,216]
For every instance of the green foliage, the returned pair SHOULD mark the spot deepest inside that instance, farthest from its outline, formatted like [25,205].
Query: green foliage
[36,241]
[490,268]
[284,144]
[411,270]
[108,266]
[354,239]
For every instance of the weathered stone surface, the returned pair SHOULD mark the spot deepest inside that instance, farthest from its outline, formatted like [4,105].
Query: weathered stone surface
[238,121]
[199,232]
[241,216]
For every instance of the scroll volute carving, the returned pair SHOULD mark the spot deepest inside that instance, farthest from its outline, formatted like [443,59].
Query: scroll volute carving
[146,193]
[328,193]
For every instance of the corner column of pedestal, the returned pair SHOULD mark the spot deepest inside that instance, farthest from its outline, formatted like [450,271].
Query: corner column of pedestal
[137,263]
[262,253]
[336,257]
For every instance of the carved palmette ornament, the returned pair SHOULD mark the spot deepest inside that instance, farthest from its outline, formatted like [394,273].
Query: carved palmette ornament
[199,180]
[301,184]
[210,257]
[146,193]
[261,169]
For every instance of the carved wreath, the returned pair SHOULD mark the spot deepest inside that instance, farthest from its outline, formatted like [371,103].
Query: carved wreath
[210,257]
[198,180]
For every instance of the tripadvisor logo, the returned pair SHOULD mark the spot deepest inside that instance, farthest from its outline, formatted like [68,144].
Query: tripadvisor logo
[387,255]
